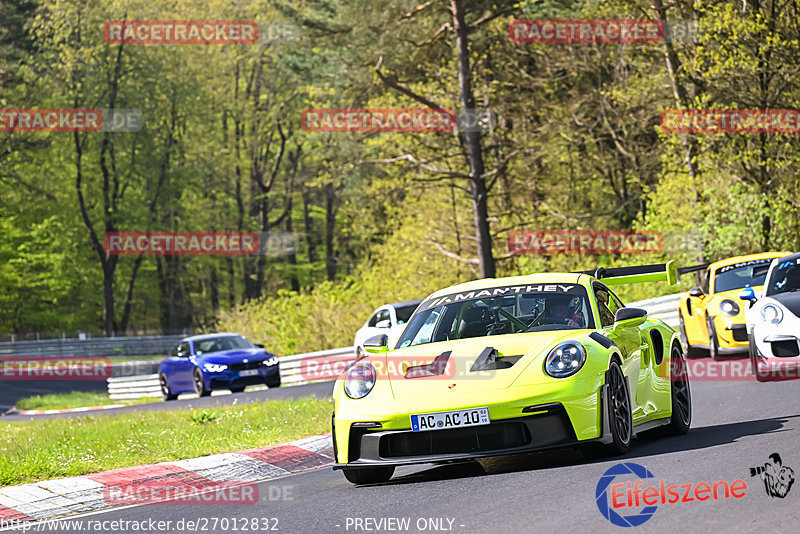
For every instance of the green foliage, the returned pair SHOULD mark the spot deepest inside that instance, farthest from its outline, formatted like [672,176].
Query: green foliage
[202,418]
[328,315]
[379,217]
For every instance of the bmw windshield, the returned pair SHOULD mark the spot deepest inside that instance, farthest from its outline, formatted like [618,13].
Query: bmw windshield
[499,311]
[218,344]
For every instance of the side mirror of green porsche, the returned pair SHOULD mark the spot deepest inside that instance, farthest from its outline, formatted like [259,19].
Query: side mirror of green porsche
[629,318]
[377,344]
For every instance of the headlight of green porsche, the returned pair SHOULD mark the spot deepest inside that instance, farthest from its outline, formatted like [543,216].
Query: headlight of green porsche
[565,360]
[360,380]
[729,308]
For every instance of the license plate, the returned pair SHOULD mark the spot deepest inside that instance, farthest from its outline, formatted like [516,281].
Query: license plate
[248,372]
[455,419]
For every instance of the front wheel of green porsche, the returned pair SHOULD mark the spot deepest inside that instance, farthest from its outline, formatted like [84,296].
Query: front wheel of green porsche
[618,400]
[368,475]
[620,405]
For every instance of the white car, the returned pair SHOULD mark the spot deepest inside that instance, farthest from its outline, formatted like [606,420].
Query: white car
[389,319]
[773,321]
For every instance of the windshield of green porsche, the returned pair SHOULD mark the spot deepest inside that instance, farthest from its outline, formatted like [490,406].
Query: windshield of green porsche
[498,311]
[738,276]
[785,278]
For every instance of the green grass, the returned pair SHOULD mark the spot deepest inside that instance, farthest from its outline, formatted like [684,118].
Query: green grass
[75,399]
[40,450]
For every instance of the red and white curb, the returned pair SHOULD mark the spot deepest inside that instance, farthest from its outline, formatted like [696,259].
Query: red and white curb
[66,496]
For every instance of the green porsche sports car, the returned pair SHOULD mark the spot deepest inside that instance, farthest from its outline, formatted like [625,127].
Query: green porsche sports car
[513,365]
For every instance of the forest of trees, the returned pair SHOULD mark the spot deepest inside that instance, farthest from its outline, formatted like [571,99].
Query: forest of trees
[378,216]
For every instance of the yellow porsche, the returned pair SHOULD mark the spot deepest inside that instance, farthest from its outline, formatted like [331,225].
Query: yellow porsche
[712,315]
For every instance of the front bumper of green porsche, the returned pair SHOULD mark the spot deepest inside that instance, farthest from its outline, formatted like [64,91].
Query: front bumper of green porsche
[560,414]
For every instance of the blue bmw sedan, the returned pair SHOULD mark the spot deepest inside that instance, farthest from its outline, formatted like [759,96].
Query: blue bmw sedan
[201,364]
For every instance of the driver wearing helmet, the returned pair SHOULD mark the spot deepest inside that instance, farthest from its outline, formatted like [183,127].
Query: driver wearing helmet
[559,311]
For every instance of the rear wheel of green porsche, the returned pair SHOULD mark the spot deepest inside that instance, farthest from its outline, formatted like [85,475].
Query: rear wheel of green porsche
[681,418]
[681,398]
[368,475]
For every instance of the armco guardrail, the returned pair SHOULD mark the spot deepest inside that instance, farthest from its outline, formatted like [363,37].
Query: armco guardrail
[311,366]
[664,308]
[98,347]
[133,387]
[295,369]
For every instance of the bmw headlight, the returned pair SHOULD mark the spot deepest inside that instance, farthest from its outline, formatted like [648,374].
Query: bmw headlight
[269,362]
[565,360]
[729,308]
[772,314]
[360,380]
[214,367]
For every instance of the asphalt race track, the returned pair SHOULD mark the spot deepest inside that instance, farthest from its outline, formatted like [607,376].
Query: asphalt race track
[317,389]
[737,425]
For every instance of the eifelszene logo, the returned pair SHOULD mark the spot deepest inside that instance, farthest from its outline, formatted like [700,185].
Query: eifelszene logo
[778,478]
[609,510]
[620,489]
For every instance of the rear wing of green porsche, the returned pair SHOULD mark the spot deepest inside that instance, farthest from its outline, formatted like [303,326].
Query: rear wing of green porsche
[659,272]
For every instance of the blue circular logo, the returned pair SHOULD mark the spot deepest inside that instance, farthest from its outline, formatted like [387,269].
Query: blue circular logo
[601,495]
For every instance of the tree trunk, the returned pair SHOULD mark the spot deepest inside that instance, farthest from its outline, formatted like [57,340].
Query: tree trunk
[293,280]
[330,223]
[311,242]
[679,92]
[477,182]
[213,289]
